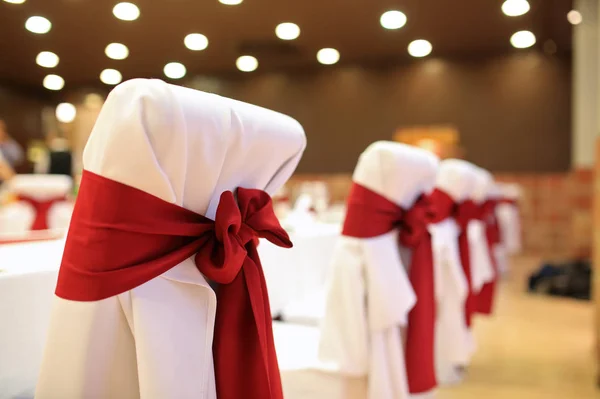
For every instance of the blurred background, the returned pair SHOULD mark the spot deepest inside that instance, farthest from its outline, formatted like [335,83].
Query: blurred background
[509,85]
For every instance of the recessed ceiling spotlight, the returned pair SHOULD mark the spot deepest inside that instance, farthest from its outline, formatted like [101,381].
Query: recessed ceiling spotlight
[15,1]
[39,25]
[196,41]
[47,59]
[328,56]
[65,112]
[393,19]
[53,82]
[574,17]
[175,70]
[420,48]
[126,11]
[246,63]
[231,2]
[515,8]
[111,77]
[523,39]
[287,31]
[116,51]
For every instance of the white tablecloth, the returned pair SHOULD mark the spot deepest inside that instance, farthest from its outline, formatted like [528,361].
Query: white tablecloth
[295,274]
[28,278]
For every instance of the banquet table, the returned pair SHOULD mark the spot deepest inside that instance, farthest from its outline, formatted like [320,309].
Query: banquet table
[28,273]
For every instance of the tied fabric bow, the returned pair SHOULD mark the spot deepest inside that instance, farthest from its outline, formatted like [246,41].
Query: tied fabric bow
[42,209]
[121,237]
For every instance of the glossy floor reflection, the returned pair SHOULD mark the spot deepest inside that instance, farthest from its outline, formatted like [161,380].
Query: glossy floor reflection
[536,347]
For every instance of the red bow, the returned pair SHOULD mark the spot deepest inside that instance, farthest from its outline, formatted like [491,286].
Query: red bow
[121,237]
[466,212]
[42,208]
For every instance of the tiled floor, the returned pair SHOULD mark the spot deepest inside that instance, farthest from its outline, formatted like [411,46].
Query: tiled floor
[534,348]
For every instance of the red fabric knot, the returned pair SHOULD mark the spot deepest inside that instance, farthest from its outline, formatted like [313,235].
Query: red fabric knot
[42,209]
[414,222]
[465,212]
[442,205]
[237,225]
[121,237]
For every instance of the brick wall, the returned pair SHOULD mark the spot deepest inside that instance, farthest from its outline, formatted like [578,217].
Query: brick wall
[556,209]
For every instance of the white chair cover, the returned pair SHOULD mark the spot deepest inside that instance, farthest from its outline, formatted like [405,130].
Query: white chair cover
[185,147]
[482,269]
[510,218]
[454,345]
[369,294]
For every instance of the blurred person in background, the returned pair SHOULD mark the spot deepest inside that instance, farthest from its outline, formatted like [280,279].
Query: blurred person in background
[57,159]
[11,151]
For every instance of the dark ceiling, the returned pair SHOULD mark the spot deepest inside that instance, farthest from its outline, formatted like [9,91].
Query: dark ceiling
[82,29]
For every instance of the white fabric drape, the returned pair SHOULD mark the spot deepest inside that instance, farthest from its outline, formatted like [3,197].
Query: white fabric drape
[185,147]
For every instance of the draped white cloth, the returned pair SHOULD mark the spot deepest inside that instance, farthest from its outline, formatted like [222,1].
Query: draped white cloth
[509,218]
[369,294]
[185,147]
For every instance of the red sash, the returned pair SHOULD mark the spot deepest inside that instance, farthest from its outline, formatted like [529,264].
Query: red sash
[42,208]
[485,298]
[121,237]
[369,215]
[466,212]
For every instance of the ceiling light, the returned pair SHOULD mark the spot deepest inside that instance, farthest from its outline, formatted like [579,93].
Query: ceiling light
[15,1]
[287,31]
[522,39]
[53,82]
[514,8]
[126,11]
[246,63]
[111,77]
[116,51]
[393,19]
[38,25]
[66,112]
[574,17]
[419,48]
[328,56]
[47,59]
[175,70]
[231,2]
[196,41]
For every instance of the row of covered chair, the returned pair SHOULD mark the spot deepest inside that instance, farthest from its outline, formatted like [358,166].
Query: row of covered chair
[420,255]
[161,263]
